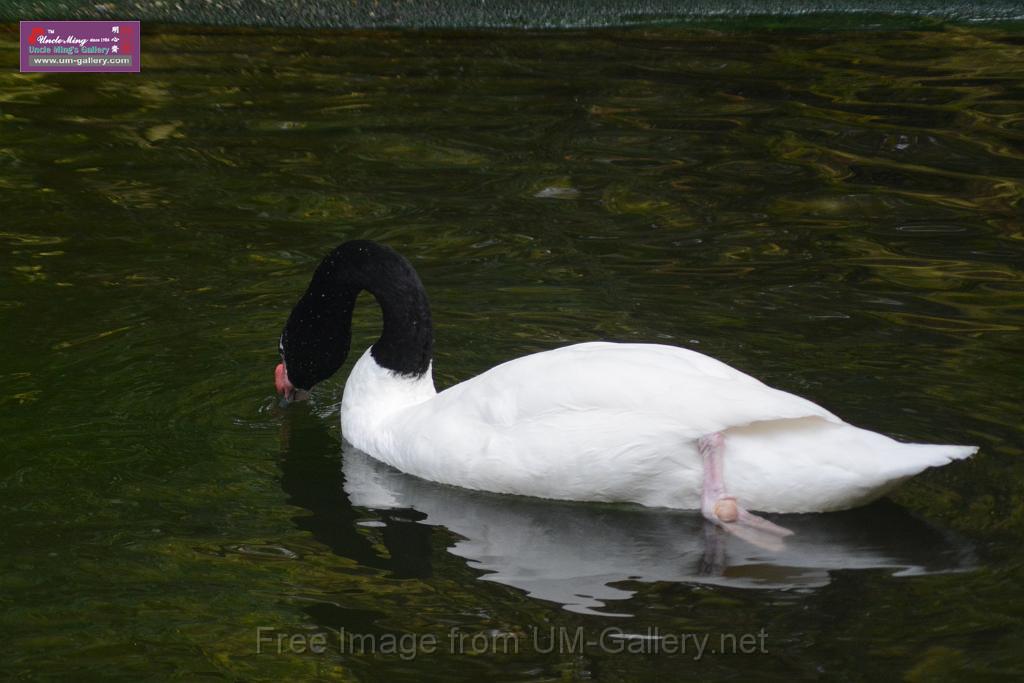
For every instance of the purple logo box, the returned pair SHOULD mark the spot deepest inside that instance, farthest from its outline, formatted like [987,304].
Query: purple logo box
[81,46]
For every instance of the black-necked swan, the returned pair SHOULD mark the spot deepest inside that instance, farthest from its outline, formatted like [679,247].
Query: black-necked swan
[644,423]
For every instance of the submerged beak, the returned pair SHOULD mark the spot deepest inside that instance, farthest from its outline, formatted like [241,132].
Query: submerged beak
[288,392]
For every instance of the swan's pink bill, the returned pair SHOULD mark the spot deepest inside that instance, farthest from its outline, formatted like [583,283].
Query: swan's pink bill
[285,388]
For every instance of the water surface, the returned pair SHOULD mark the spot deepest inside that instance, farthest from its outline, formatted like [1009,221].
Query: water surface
[837,214]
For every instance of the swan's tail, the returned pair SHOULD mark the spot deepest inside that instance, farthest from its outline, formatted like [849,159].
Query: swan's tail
[814,465]
[916,457]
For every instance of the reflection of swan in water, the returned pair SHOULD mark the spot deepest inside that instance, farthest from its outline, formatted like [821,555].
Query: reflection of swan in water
[572,553]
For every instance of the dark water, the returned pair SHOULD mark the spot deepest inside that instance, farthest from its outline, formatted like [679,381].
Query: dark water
[838,214]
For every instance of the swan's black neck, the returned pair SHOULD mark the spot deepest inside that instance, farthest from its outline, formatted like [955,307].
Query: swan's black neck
[316,338]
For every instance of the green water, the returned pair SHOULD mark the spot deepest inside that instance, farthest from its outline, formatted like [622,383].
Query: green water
[837,214]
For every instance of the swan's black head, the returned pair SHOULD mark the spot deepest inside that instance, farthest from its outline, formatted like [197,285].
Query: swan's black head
[316,338]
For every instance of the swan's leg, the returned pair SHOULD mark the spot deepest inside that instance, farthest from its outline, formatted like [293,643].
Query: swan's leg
[712,562]
[717,505]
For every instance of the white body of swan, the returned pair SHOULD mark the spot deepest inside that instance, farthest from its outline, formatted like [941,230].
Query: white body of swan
[620,422]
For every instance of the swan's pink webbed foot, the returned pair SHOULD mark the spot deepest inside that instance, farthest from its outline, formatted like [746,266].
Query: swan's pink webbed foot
[722,509]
